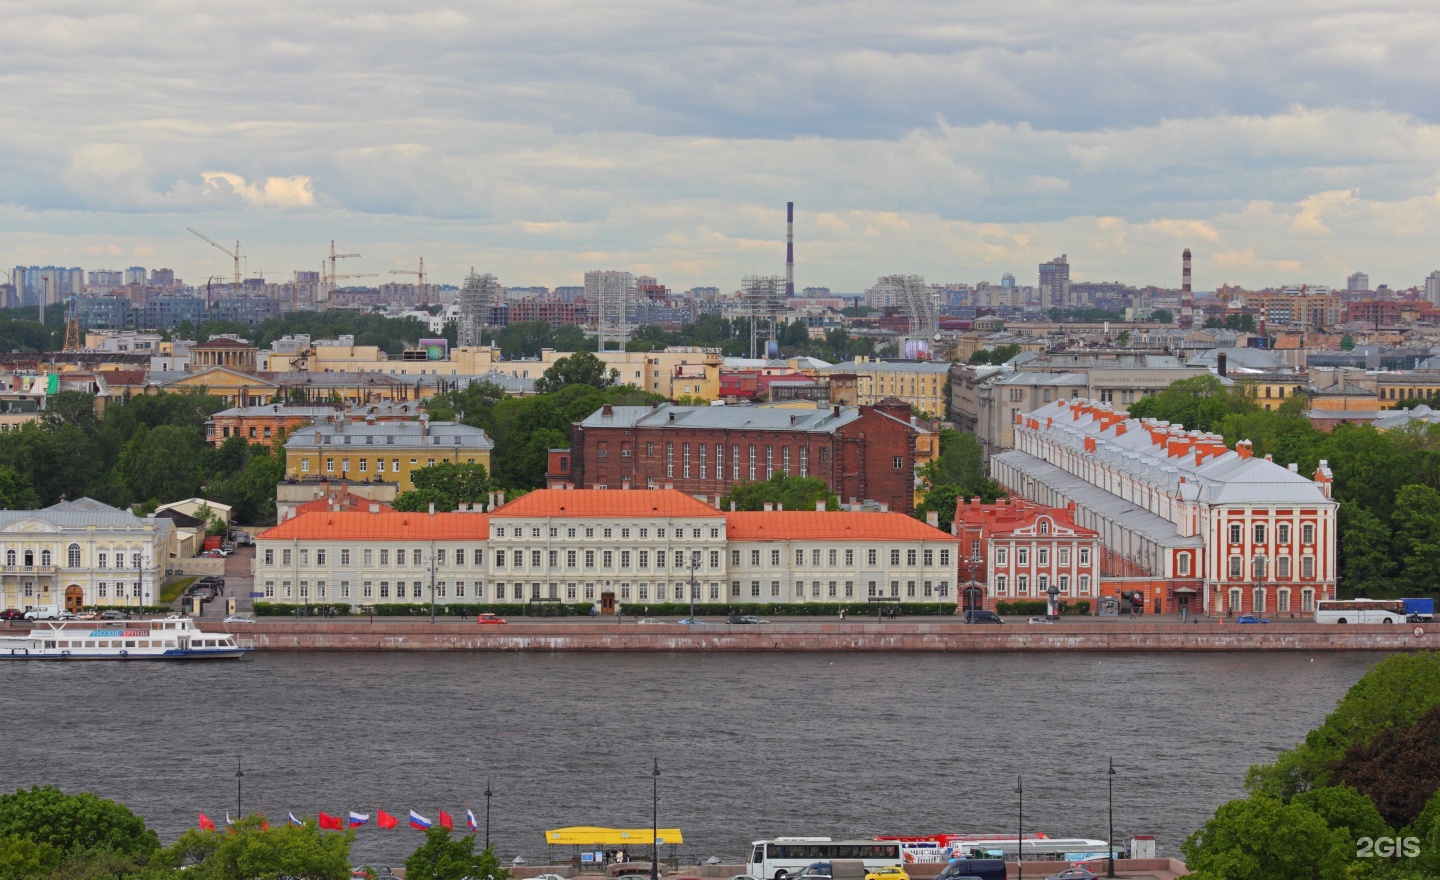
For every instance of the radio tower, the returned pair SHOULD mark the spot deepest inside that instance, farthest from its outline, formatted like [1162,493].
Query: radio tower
[72,326]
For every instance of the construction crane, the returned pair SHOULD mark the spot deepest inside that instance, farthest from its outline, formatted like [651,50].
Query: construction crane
[420,293]
[72,325]
[327,283]
[234,255]
[333,257]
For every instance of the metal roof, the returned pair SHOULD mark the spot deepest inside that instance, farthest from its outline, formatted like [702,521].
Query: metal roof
[441,434]
[757,418]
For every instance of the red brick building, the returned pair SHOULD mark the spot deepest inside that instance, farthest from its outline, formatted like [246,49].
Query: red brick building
[1017,549]
[555,312]
[863,453]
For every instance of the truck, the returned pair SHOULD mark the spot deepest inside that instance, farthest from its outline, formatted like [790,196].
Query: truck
[1419,610]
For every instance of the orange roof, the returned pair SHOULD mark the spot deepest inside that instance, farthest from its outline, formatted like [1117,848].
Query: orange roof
[385,526]
[606,503]
[345,498]
[814,525]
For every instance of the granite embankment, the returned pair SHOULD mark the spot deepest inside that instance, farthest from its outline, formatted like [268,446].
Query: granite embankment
[360,635]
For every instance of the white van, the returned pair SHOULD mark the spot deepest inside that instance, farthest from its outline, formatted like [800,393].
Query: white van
[47,612]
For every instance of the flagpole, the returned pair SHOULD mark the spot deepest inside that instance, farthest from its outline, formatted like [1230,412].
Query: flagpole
[239,775]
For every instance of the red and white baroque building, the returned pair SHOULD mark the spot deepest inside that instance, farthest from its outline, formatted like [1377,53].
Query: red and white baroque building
[1016,549]
[1179,515]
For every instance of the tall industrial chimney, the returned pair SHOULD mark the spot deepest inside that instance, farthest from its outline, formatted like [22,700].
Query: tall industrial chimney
[1187,295]
[789,249]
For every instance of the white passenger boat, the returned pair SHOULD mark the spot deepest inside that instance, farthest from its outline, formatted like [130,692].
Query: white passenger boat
[168,638]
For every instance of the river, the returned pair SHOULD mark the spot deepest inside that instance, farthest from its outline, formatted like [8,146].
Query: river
[750,745]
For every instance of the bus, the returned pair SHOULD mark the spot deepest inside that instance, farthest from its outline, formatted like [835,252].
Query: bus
[773,859]
[1360,611]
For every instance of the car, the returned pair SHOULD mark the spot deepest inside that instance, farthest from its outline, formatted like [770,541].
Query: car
[241,617]
[750,618]
[547,877]
[738,619]
[113,614]
[88,615]
[1038,620]
[212,554]
[1250,618]
[12,614]
[490,617]
[1074,874]
[889,872]
[742,877]
[981,616]
[690,621]
[641,620]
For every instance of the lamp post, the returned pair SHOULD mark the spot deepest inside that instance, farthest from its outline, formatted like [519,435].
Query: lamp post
[1110,835]
[432,581]
[239,775]
[1020,830]
[488,794]
[655,822]
[694,587]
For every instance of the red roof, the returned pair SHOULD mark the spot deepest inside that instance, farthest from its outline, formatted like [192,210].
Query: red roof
[345,498]
[385,526]
[606,503]
[832,525]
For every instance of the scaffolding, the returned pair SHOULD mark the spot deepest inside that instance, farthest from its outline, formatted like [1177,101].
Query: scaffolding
[477,301]
[610,299]
[764,299]
[917,302]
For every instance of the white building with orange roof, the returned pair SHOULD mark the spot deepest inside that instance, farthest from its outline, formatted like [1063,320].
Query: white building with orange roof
[606,547]
[1192,522]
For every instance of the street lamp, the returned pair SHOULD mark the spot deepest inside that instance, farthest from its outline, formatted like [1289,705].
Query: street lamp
[694,587]
[432,581]
[1020,830]
[239,775]
[1110,835]
[488,793]
[655,822]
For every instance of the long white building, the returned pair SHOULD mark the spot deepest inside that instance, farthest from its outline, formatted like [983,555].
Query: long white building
[607,547]
[1182,516]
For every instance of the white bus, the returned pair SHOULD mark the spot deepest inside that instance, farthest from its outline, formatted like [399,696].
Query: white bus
[773,859]
[1360,611]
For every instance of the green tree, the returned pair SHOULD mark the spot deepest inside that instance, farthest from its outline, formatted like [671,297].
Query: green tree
[24,859]
[794,493]
[447,485]
[581,368]
[442,857]
[1416,525]
[1263,838]
[471,405]
[73,822]
[1163,316]
[16,493]
[299,851]
[1201,403]
[71,408]
[941,499]
[162,464]
[1345,809]
[1367,561]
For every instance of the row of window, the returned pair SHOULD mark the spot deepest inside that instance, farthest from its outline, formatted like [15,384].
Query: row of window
[1042,585]
[1282,533]
[444,590]
[832,589]
[1260,566]
[639,558]
[368,555]
[102,589]
[72,558]
[1042,556]
[364,465]
[606,532]
[1282,601]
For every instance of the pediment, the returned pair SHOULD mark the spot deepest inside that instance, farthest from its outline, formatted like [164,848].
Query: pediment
[34,526]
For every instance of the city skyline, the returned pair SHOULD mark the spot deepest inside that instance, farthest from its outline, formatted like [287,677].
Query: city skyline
[955,141]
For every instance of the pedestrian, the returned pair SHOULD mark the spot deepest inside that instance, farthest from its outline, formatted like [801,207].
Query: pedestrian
[842,613]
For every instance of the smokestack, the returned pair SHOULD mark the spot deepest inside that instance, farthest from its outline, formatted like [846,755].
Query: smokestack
[789,249]
[1187,295]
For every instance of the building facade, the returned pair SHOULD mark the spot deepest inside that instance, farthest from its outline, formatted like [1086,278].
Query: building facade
[862,453]
[81,554]
[1192,519]
[382,451]
[610,548]
[920,384]
[1017,550]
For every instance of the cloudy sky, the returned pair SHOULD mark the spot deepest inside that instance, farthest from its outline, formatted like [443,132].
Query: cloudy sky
[1282,141]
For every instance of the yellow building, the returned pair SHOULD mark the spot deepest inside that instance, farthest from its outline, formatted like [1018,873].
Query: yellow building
[331,356]
[232,386]
[1271,390]
[377,451]
[919,383]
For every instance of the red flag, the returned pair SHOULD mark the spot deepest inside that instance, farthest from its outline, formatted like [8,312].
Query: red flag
[329,823]
[264,825]
[205,823]
[446,822]
[384,819]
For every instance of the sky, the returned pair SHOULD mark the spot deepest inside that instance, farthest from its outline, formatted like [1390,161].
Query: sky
[1282,142]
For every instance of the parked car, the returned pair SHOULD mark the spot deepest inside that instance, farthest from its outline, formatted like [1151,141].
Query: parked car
[1250,618]
[1074,874]
[691,621]
[979,616]
[241,617]
[750,618]
[1039,620]
[889,872]
[12,614]
[49,612]
[113,614]
[490,617]
[641,620]
[739,619]
[88,615]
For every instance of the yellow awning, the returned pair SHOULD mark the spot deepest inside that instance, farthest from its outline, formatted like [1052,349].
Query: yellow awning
[586,835]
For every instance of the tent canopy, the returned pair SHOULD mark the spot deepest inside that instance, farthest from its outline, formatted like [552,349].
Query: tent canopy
[587,835]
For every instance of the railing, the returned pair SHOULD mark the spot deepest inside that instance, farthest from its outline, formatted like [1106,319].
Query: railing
[29,569]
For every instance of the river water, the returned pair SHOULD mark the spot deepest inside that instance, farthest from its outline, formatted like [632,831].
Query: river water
[750,745]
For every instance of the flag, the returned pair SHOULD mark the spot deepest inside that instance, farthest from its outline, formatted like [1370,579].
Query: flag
[385,820]
[294,821]
[264,823]
[329,823]
[446,822]
[419,822]
[205,823]
[470,821]
[358,819]
[229,823]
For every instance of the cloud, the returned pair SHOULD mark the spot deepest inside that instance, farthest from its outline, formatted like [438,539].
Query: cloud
[275,192]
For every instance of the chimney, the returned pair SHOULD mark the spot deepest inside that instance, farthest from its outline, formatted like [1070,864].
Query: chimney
[1187,295]
[607,410]
[1220,364]
[884,507]
[819,506]
[933,519]
[432,508]
[374,507]
[732,506]
[500,498]
[1294,468]
[769,507]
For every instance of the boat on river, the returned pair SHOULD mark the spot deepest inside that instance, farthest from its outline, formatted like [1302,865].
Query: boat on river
[168,638]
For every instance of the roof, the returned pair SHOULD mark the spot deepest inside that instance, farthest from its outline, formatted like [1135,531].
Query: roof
[403,434]
[279,409]
[1400,418]
[606,503]
[890,367]
[758,418]
[830,525]
[82,513]
[385,526]
[220,342]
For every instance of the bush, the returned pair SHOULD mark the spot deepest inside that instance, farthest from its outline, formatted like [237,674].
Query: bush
[1030,607]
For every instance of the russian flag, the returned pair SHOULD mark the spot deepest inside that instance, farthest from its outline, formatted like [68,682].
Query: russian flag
[419,822]
[294,821]
[470,821]
[358,819]
[229,823]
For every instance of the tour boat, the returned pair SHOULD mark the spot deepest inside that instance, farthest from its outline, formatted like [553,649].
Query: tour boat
[169,638]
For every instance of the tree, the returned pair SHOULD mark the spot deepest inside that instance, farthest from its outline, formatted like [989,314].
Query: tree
[1366,558]
[581,368]
[1200,404]
[447,485]
[1263,838]
[24,859]
[1123,340]
[162,464]
[16,493]
[1344,808]
[942,500]
[1399,769]
[1416,525]
[71,408]
[73,822]
[442,857]
[298,851]
[1163,316]
[794,493]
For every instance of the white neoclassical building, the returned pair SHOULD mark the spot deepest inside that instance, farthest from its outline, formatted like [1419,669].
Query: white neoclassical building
[606,547]
[80,554]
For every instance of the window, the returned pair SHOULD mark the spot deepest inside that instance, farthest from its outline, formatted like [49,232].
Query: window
[1307,567]
[799,557]
[1282,600]
[1282,568]
[1307,533]
[345,556]
[305,466]
[1257,601]
[607,559]
[1002,556]
[897,462]
[1182,565]
[367,557]
[1307,601]
[703,447]
[1022,584]
[72,556]
[285,556]
[1235,533]
[1282,534]
[269,589]
[754,557]
[399,558]
[714,558]
[669,459]
[775,558]
[269,557]
[1063,555]
[686,453]
[1084,584]
[624,558]
[367,589]
[849,557]
[1234,567]
[1022,556]
[775,589]
[894,557]
[1064,583]
[1042,556]
[1085,556]
[319,557]
[752,462]
[944,557]
[1259,533]
[872,557]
